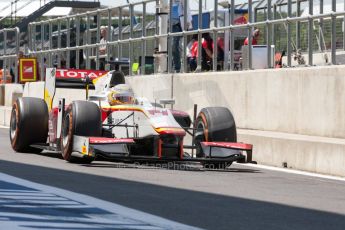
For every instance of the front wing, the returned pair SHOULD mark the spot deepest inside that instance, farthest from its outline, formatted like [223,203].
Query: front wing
[118,149]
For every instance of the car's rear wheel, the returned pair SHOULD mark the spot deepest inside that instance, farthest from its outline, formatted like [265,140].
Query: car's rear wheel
[81,118]
[28,124]
[214,124]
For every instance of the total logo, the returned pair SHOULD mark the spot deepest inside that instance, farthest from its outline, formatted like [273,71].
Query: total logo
[74,73]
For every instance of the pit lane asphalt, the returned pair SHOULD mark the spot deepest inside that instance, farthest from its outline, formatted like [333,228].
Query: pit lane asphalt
[242,197]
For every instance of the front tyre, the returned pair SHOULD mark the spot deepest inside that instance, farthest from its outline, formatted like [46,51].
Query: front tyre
[214,124]
[81,118]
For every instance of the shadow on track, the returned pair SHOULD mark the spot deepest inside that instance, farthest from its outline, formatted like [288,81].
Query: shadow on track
[51,154]
[210,211]
[101,162]
[167,166]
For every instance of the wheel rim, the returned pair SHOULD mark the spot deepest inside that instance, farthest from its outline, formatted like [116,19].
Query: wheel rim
[199,137]
[65,130]
[13,124]
[200,132]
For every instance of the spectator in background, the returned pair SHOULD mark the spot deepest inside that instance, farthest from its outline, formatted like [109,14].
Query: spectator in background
[255,38]
[12,69]
[5,76]
[12,72]
[191,53]
[103,47]
[56,62]
[177,26]
[207,52]
[220,53]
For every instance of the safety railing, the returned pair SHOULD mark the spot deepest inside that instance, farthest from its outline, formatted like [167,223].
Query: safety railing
[86,46]
[9,53]
[61,30]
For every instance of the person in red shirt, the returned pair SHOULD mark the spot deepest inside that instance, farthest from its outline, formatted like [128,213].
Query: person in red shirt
[194,56]
[207,52]
[192,52]
[255,38]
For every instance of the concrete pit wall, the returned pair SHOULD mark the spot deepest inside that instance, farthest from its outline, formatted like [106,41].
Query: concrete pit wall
[8,94]
[37,90]
[292,116]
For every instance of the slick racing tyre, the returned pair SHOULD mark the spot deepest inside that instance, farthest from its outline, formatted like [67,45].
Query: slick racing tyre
[81,118]
[214,124]
[28,124]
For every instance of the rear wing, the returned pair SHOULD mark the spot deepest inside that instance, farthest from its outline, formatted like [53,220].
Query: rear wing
[68,78]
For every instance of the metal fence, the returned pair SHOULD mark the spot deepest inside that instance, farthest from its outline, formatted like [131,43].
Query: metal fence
[9,52]
[77,37]
[72,41]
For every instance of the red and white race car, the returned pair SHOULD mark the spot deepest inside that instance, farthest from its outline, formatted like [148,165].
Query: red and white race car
[117,125]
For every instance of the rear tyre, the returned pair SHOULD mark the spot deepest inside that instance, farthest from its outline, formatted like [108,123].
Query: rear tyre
[214,124]
[81,118]
[28,124]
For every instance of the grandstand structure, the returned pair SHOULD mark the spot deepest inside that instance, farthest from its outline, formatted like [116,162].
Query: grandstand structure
[309,32]
[19,13]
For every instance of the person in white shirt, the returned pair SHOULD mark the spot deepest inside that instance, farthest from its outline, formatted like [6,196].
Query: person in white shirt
[103,47]
[191,59]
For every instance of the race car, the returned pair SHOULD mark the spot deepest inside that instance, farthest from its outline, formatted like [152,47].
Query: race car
[117,125]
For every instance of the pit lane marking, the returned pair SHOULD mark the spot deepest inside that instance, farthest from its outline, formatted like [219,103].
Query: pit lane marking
[22,208]
[294,171]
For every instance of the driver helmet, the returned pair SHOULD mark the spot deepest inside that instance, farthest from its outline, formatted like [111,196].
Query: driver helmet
[121,94]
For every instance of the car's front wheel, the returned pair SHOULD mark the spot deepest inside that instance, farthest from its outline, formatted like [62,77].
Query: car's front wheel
[81,118]
[214,124]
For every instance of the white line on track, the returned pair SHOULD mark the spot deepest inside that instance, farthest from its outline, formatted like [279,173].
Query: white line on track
[4,127]
[294,171]
[111,215]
